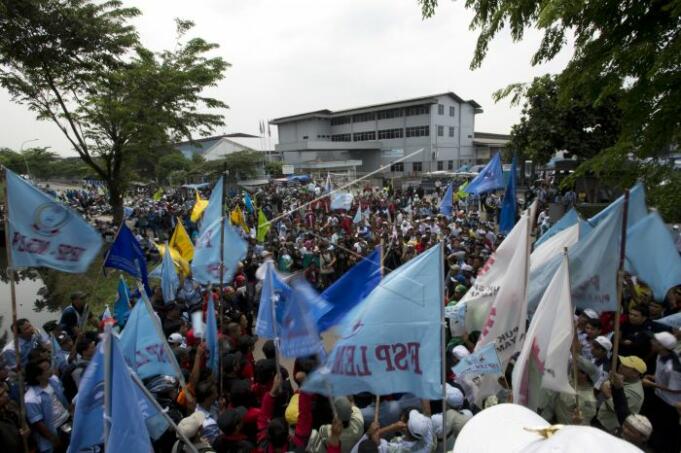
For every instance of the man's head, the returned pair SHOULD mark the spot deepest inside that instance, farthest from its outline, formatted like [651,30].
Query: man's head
[24,329]
[86,348]
[206,393]
[632,367]
[636,429]
[231,421]
[656,309]
[78,299]
[638,314]
[592,328]
[38,372]
[600,347]
[664,342]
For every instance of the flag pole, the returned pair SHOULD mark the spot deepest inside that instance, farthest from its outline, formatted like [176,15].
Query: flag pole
[13,294]
[273,301]
[221,305]
[620,279]
[107,384]
[578,412]
[382,269]
[443,353]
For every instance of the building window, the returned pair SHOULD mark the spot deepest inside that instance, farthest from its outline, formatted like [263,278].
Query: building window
[390,133]
[304,137]
[451,132]
[364,136]
[418,131]
[340,120]
[440,165]
[417,166]
[452,111]
[440,131]
[398,167]
[391,113]
[417,110]
[450,165]
[440,109]
[341,138]
[360,117]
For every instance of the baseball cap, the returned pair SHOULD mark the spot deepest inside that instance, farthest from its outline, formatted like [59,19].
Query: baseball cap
[189,426]
[604,342]
[666,339]
[590,313]
[634,362]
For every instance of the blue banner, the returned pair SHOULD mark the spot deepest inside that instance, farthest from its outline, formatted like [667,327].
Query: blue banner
[170,282]
[508,206]
[206,262]
[213,211]
[446,203]
[44,232]
[122,305]
[274,292]
[351,289]
[390,343]
[483,361]
[298,334]
[127,255]
[144,346]
[489,179]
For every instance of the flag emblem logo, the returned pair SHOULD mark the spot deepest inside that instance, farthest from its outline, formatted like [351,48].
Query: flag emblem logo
[49,218]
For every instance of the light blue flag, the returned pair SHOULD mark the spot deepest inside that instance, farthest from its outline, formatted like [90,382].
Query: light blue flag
[213,211]
[127,430]
[206,262]
[144,346]
[170,282]
[446,203]
[652,255]
[45,233]
[351,289]
[156,273]
[274,292]
[490,178]
[298,334]
[594,261]
[390,343]
[341,200]
[122,305]
[569,218]
[358,215]
[57,359]
[508,206]
[483,361]
[671,320]
[212,337]
[88,417]
[637,209]
[249,203]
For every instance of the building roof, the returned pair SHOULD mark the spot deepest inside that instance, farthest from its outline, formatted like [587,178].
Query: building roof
[325,113]
[202,142]
[490,139]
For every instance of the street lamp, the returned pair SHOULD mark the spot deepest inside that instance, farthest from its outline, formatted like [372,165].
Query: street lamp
[21,151]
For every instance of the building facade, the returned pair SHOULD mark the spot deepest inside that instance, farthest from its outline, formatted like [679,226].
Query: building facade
[366,138]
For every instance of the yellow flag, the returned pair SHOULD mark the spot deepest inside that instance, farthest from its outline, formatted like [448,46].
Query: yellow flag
[461,193]
[180,263]
[199,206]
[181,242]
[263,226]
[158,194]
[237,218]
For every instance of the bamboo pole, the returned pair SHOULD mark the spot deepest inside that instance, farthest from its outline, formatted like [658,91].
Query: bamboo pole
[620,278]
[443,352]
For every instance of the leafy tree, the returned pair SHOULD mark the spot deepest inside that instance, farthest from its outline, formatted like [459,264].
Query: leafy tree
[171,162]
[240,164]
[629,49]
[79,64]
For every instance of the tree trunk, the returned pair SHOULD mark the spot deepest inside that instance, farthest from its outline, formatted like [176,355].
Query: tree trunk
[116,201]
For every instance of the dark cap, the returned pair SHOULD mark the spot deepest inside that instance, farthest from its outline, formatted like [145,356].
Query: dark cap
[229,419]
[78,295]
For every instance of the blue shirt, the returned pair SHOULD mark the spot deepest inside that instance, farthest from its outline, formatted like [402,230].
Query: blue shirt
[25,348]
[39,409]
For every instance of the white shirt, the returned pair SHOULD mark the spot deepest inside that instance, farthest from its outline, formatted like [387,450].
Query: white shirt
[59,412]
[666,375]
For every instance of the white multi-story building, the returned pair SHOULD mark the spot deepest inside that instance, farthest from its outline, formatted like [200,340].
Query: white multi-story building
[367,138]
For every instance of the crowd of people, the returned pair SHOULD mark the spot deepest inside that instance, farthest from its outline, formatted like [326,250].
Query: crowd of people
[252,405]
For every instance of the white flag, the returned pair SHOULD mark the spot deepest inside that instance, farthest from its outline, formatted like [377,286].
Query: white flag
[480,296]
[507,317]
[554,246]
[543,361]
[341,200]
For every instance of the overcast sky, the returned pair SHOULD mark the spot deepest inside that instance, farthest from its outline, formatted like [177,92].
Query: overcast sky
[293,56]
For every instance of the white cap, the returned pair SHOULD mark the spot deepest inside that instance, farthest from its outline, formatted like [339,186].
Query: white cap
[189,426]
[604,342]
[666,339]
[454,397]
[460,352]
[175,338]
[640,423]
[590,313]
[418,424]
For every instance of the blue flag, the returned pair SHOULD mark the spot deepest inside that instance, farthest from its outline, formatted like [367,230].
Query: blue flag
[298,334]
[569,218]
[127,430]
[249,203]
[390,343]
[144,346]
[88,417]
[652,255]
[637,209]
[508,206]
[483,361]
[170,282]
[213,211]
[490,178]
[274,292]
[671,320]
[127,255]
[206,262]
[446,203]
[351,289]
[212,337]
[122,305]
[594,262]
[45,233]
[358,215]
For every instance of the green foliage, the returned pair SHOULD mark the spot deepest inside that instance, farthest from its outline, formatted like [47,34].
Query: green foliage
[79,64]
[171,163]
[241,164]
[273,168]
